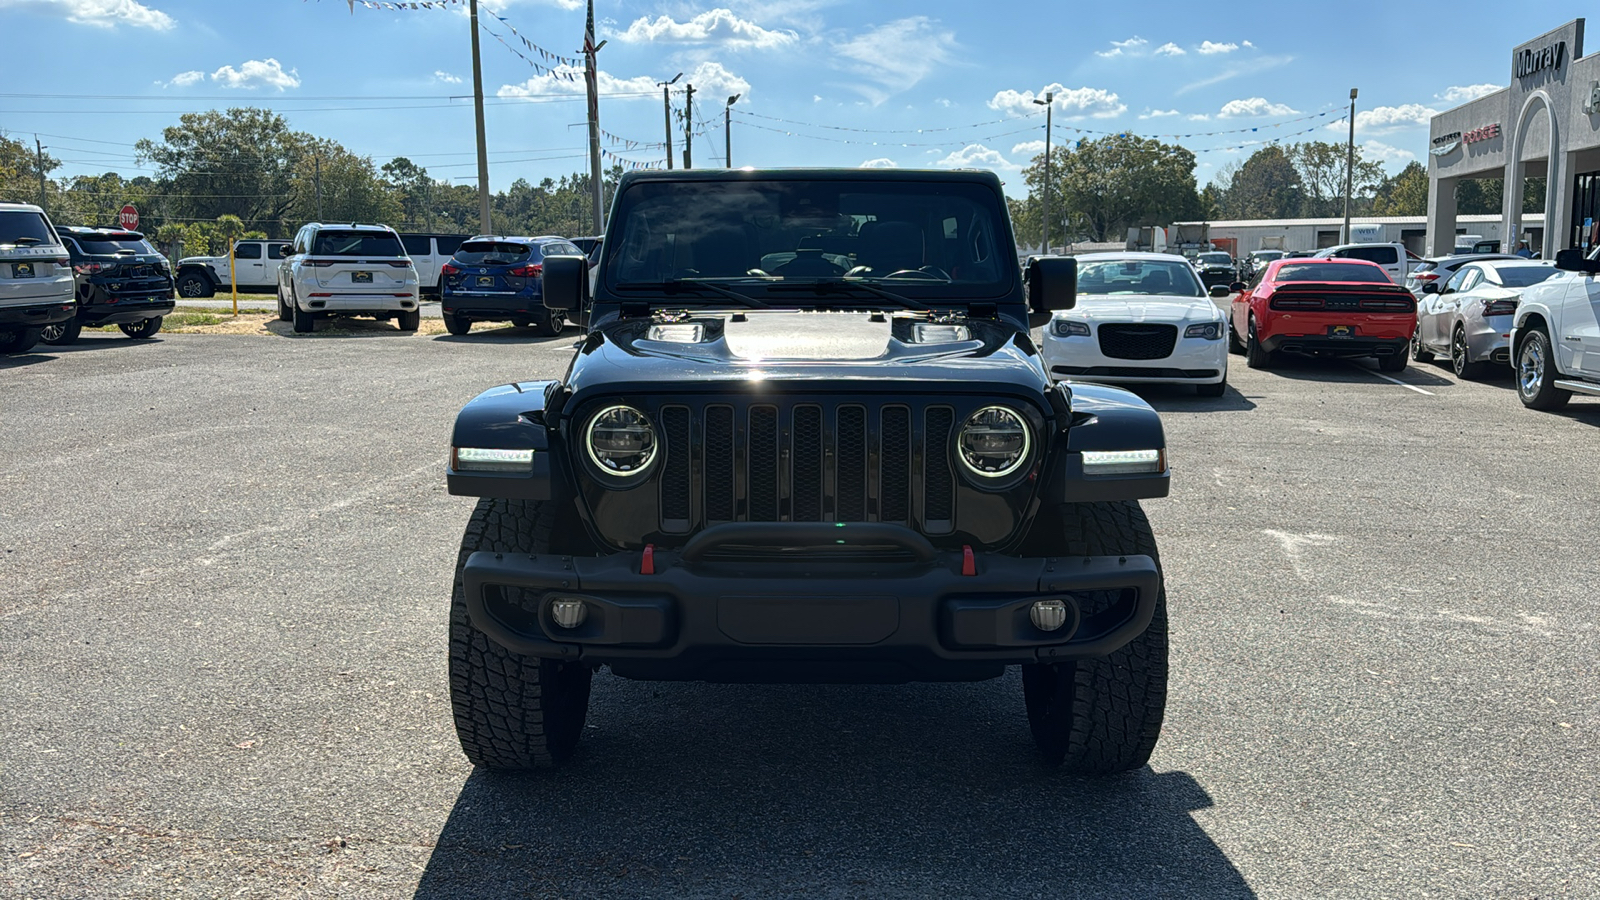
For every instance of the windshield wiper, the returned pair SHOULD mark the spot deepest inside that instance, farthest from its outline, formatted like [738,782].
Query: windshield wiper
[25,240]
[845,287]
[681,285]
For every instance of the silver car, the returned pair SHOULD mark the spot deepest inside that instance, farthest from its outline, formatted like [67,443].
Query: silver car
[1439,269]
[1469,318]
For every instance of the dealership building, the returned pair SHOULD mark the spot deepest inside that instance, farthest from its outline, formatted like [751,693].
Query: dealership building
[1545,124]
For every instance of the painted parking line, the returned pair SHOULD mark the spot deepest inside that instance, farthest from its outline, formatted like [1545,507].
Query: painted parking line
[1394,380]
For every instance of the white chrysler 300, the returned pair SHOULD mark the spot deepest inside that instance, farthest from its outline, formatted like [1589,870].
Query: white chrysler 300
[1141,318]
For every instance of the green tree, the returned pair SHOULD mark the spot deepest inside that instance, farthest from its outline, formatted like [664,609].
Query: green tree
[1112,183]
[351,188]
[239,161]
[19,175]
[1321,167]
[1265,186]
[1406,194]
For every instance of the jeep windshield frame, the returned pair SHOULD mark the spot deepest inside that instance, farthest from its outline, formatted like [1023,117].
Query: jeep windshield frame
[810,239]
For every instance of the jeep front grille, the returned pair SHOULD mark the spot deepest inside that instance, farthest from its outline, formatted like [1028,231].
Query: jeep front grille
[809,462]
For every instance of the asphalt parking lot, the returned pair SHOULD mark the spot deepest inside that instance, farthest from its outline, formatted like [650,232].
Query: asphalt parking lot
[224,570]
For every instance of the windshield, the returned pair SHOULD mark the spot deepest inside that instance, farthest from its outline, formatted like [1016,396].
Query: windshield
[1523,276]
[21,226]
[492,253]
[1137,276]
[1332,272]
[1221,258]
[932,239]
[357,243]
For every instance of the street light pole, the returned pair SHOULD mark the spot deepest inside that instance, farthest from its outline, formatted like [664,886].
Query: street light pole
[477,106]
[1349,165]
[1049,104]
[688,126]
[727,130]
[666,103]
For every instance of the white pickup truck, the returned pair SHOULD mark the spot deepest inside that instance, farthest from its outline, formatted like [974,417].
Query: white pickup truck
[1555,334]
[255,265]
[1395,259]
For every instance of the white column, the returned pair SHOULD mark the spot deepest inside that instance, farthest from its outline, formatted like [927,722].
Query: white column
[1441,216]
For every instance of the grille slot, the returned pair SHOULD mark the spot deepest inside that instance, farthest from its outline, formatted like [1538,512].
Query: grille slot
[938,480]
[807,491]
[763,464]
[675,486]
[1137,341]
[852,464]
[895,477]
[719,464]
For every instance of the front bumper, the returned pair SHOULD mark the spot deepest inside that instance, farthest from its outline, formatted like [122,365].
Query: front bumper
[782,617]
[1211,277]
[37,315]
[1192,361]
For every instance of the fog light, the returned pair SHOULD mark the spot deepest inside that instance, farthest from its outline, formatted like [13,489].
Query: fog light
[568,613]
[1048,615]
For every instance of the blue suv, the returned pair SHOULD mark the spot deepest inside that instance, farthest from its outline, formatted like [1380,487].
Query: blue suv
[497,279]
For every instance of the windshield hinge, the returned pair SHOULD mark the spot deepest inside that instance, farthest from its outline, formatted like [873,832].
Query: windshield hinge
[635,309]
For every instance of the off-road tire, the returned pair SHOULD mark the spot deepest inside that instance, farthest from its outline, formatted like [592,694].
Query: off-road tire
[1464,368]
[1255,356]
[409,320]
[551,323]
[1394,362]
[457,325]
[1099,716]
[18,340]
[1212,390]
[1543,394]
[142,331]
[1418,352]
[195,287]
[304,322]
[61,333]
[512,712]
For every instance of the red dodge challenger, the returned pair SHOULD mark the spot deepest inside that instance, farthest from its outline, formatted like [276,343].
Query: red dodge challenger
[1341,308]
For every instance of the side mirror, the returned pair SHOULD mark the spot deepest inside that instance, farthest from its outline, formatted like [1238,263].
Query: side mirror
[565,282]
[1052,283]
[1236,288]
[1219,291]
[1431,287]
[1571,260]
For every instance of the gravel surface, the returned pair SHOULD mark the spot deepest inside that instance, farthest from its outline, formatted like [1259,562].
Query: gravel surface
[224,570]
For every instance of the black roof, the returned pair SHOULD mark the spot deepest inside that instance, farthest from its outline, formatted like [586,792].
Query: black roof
[978,176]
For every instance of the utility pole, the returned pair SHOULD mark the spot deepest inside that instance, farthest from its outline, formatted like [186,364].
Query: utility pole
[477,105]
[666,102]
[1350,165]
[1049,104]
[591,77]
[727,130]
[316,161]
[688,127]
[43,199]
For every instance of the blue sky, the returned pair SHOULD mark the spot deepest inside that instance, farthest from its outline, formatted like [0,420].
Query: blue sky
[823,82]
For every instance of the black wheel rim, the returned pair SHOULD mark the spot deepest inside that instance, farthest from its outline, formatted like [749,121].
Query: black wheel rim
[1458,351]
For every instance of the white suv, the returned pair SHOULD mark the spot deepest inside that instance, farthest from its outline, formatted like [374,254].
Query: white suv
[347,270]
[36,282]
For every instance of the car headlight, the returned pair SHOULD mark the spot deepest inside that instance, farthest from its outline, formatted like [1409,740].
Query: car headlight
[1067,328]
[995,442]
[1211,331]
[621,441]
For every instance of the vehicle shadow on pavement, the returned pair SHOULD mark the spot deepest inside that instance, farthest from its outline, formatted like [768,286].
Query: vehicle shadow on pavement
[1182,398]
[505,334]
[1306,368]
[342,328]
[89,342]
[837,791]
[31,358]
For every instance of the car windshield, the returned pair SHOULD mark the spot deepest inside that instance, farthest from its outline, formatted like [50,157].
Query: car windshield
[1523,276]
[927,239]
[357,243]
[1137,276]
[1221,258]
[26,227]
[492,253]
[1332,272]
[108,244]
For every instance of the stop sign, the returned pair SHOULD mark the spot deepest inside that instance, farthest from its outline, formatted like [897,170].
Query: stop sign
[128,217]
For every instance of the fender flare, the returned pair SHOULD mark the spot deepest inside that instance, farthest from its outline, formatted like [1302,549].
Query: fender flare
[1107,418]
[508,417]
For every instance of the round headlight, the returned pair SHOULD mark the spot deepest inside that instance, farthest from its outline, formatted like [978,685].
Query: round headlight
[995,442]
[621,441]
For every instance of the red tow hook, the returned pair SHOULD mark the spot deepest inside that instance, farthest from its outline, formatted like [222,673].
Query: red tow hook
[969,564]
[647,565]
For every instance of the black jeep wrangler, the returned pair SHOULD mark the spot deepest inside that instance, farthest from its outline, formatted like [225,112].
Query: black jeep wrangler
[808,438]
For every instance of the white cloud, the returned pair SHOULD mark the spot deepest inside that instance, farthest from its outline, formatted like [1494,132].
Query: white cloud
[1254,66]
[944,103]
[709,77]
[1159,113]
[446,77]
[1254,106]
[1382,152]
[256,73]
[976,156]
[1250,45]
[99,13]
[1029,149]
[1464,93]
[1199,117]
[1391,118]
[714,26]
[1170,49]
[894,57]
[1073,103]
[1209,48]
[816,98]
[882,162]
[184,79]
[1131,45]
